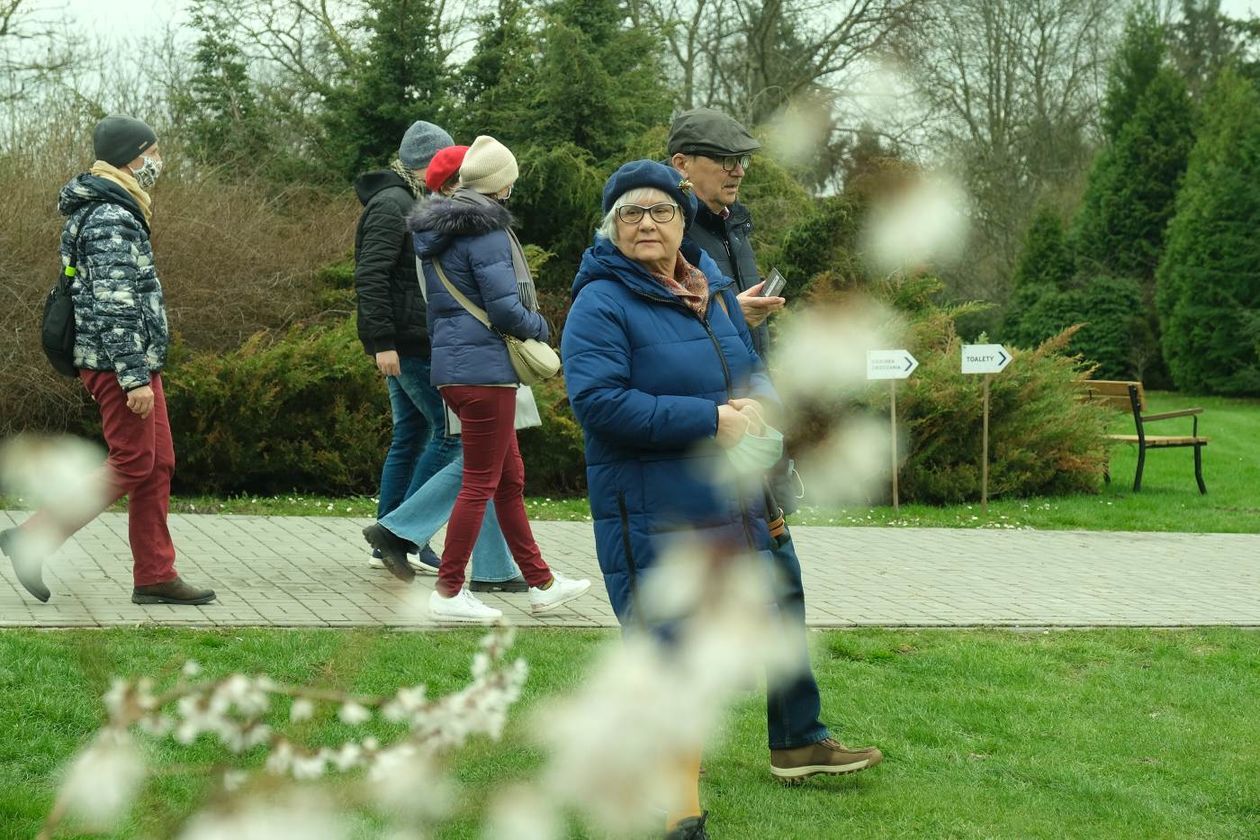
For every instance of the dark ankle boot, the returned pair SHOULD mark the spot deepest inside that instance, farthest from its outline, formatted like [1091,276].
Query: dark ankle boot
[393,551]
[29,570]
[691,828]
[171,592]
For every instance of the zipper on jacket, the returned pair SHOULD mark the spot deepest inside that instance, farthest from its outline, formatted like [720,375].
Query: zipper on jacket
[631,567]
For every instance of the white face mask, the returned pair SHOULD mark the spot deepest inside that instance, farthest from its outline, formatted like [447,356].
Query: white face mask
[146,176]
[754,454]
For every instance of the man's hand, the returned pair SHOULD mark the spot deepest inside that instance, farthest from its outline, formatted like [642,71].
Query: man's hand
[387,363]
[731,426]
[140,401]
[758,309]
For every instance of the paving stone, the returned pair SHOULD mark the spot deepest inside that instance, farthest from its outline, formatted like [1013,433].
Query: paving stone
[312,572]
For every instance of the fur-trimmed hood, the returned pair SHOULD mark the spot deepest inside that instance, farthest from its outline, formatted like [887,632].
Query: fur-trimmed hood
[438,219]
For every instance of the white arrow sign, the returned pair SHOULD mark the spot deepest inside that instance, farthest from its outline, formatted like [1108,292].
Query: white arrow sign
[890,364]
[984,358]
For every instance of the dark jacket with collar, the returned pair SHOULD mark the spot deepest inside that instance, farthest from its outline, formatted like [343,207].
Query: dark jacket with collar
[119,310]
[645,376]
[391,308]
[729,242]
[468,233]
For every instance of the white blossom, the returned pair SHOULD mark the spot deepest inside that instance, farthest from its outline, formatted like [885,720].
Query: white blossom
[309,817]
[302,709]
[353,714]
[103,779]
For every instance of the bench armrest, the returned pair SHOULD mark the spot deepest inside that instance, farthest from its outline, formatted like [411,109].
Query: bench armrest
[1168,415]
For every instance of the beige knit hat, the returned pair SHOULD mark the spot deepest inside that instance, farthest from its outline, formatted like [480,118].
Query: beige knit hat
[488,166]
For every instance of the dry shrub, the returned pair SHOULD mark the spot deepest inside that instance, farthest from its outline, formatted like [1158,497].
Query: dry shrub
[234,258]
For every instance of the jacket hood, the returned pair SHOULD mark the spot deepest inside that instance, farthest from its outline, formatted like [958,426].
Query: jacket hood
[437,219]
[367,185]
[602,261]
[89,189]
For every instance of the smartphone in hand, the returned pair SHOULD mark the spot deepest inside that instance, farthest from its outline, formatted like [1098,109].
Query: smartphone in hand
[774,284]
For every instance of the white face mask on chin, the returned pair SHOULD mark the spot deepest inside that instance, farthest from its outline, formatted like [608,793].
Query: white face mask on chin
[146,176]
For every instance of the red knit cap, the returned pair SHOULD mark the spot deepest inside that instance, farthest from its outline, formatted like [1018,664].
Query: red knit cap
[444,166]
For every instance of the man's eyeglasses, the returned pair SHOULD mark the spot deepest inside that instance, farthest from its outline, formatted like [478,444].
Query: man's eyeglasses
[632,214]
[729,162]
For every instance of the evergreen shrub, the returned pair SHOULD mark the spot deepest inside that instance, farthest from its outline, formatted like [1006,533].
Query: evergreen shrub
[302,410]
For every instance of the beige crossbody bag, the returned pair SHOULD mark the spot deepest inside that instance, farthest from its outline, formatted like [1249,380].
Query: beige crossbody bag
[533,360]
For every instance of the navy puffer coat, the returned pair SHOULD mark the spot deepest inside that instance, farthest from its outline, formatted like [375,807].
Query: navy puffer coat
[645,376]
[469,234]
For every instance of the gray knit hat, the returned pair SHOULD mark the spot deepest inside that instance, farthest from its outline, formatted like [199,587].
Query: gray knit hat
[119,140]
[421,142]
[488,166]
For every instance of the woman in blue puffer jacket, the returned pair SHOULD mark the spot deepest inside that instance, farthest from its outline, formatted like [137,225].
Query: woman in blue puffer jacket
[662,380]
[472,259]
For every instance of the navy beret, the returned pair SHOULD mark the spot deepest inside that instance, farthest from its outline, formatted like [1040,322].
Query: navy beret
[649,173]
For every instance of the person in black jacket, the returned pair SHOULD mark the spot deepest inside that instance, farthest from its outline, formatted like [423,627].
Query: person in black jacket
[392,323]
[714,152]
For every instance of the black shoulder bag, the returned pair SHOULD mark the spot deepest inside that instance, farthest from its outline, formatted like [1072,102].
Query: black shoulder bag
[57,332]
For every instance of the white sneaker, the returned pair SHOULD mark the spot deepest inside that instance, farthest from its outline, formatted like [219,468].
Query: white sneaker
[464,606]
[561,591]
[375,561]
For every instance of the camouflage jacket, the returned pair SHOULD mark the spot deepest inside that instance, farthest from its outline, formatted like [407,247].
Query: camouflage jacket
[119,312]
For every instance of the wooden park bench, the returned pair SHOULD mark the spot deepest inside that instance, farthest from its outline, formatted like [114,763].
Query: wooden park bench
[1130,396]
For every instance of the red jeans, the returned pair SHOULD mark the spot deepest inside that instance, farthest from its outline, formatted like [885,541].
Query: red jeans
[140,465]
[492,470]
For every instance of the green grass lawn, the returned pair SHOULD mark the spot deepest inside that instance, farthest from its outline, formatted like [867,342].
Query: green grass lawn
[1169,500]
[1099,734]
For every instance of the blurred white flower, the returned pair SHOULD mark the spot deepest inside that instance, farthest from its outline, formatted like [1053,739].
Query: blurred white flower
[103,779]
[406,782]
[922,225]
[302,709]
[852,465]
[353,714]
[59,475]
[821,354]
[522,813]
[306,815]
[191,669]
[797,131]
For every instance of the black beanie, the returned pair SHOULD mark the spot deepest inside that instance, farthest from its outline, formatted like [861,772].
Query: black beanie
[119,140]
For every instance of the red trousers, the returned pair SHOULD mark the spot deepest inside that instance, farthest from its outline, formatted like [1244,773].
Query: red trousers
[140,465]
[492,470]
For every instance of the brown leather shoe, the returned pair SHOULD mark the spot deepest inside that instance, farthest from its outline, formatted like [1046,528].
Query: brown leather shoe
[828,756]
[171,592]
[29,570]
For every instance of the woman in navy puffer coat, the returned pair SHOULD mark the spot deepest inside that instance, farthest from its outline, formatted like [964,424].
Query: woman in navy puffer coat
[469,238]
[650,369]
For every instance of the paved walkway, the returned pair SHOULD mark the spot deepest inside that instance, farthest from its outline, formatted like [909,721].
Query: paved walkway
[312,572]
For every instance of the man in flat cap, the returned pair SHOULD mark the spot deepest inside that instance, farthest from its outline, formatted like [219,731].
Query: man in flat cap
[714,152]
[121,341]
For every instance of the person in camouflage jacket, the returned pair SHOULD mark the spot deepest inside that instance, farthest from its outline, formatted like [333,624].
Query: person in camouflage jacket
[119,312]
[121,340]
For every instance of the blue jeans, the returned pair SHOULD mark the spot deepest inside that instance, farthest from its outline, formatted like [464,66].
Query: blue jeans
[420,516]
[420,446]
[792,709]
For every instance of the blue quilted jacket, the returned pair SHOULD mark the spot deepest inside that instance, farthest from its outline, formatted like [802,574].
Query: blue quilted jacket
[645,376]
[468,233]
[119,311]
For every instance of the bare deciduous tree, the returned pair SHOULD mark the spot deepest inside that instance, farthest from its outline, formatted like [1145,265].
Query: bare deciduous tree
[33,46]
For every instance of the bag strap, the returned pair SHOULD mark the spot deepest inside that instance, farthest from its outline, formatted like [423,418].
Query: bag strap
[473,310]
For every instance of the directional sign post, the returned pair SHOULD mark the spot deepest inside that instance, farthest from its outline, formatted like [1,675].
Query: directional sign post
[986,359]
[891,365]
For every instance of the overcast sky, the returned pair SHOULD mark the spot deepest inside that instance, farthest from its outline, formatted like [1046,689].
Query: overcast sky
[119,18]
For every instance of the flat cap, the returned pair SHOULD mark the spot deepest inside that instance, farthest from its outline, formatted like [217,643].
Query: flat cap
[707,131]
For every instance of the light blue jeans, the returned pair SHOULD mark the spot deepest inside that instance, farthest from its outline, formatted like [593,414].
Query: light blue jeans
[422,513]
[420,446]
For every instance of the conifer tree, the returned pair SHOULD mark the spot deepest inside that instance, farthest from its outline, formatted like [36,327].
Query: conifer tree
[1208,290]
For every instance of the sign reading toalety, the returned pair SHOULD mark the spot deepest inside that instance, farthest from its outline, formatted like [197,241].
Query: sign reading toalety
[984,358]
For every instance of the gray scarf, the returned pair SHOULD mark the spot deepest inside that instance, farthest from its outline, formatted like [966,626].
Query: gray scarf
[408,175]
[524,281]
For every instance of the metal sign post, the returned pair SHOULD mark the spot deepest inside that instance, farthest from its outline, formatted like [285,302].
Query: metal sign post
[891,365]
[986,359]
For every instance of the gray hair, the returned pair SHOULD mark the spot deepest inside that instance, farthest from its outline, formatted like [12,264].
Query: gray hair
[608,227]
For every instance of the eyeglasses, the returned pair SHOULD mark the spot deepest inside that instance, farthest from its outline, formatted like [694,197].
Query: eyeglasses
[632,214]
[729,162]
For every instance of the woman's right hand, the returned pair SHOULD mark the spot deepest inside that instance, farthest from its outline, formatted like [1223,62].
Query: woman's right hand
[731,426]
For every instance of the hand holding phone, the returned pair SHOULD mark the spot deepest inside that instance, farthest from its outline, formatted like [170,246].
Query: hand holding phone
[773,284]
